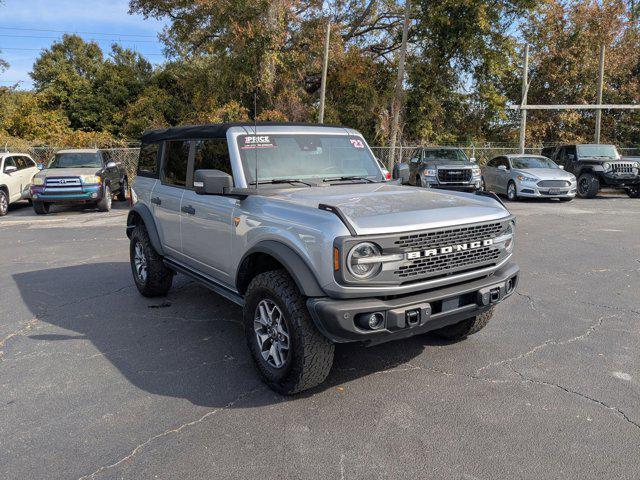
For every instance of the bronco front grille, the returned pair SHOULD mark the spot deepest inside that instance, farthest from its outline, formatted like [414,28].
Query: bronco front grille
[450,236]
[622,167]
[447,262]
[553,183]
[454,175]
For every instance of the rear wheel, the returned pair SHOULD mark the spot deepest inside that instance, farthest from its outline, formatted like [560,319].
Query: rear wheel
[288,350]
[150,274]
[633,192]
[588,185]
[512,192]
[41,208]
[4,203]
[104,204]
[467,327]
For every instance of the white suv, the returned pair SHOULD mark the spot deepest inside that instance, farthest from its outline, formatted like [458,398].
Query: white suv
[16,172]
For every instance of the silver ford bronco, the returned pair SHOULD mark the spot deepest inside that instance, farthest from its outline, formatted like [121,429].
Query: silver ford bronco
[297,224]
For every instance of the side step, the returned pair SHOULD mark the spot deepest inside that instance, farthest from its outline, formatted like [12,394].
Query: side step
[208,282]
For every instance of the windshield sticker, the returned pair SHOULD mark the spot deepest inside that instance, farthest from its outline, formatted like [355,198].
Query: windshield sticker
[250,142]
[356,142]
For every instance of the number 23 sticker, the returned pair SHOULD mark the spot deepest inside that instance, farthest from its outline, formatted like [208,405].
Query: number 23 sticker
[356,142]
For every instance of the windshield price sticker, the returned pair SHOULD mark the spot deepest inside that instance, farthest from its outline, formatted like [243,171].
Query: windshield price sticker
[257,141]
[356,142]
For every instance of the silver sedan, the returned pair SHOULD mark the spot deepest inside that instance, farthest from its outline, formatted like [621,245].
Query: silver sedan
[531,176]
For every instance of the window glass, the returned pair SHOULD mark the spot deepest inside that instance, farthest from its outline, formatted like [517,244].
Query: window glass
[148,160]
[20,163]
[453,155]
[212,154]
[504,161]
[598,151]
[493,162]
[76,160]
[532,162]
[28,163]
[176,157]
[9,162]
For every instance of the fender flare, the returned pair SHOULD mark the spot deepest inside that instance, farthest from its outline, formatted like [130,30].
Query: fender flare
[142,211]
[295,266]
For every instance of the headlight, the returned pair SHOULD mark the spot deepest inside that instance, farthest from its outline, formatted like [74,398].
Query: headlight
[475,170]
[430,172]
[507,237]
[38,181]
[606,166]
[636,165]
[522,178]
[90,179]
[362,262]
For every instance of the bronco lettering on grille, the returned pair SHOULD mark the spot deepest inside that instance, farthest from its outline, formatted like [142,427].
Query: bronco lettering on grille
[449,249]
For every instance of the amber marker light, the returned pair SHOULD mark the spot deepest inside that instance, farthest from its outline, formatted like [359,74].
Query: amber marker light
[336,259]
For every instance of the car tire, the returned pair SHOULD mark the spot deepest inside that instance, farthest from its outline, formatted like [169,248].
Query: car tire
[122,193]
[104,204]
[419,182]
[633,192]
[277,324]
[483,185]
[463,329]
[41,208]
[512,191]
[151,276]
[588,185]
[4,203]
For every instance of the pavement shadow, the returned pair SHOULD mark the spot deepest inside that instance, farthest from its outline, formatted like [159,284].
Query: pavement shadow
[189,345]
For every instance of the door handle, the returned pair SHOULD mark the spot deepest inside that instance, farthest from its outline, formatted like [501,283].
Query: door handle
[156,200]
[189,210]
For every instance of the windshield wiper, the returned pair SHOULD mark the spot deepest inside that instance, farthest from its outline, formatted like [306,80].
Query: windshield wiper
[283,180]
[339,179]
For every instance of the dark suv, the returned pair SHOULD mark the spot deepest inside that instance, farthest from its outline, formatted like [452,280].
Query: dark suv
[597,166]
[444,167]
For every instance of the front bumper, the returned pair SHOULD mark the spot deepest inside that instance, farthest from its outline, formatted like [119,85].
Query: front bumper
[83,194]
[472,186]
[619,180]
[413,314]
[534,191]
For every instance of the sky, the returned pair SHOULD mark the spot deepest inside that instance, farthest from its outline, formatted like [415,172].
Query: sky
[28,26]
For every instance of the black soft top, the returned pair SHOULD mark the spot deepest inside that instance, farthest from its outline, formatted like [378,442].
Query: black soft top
[213,130]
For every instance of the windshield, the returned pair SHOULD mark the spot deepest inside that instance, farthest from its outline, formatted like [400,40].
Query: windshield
[452,155]
[300,156]
[75,160]
[605,151]
[532,162]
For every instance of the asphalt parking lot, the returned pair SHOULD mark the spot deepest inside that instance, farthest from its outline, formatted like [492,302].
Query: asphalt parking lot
[99,382]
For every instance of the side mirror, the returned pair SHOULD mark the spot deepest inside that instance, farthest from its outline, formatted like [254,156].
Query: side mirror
[211,182]
[111,164]
[40,166]
[502,167]
[561,167]
[10,169]
[472,159]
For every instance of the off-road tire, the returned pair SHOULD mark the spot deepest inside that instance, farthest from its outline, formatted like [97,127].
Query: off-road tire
[514,197]
[122,193]
[4,203]
[104,204]
[159,277]
[41,208]
[463,329]
[310,355]
[633,192]
[590,187]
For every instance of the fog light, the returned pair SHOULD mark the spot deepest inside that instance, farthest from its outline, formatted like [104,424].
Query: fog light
[509,286]
[371,321]
[94,195]
[35,195]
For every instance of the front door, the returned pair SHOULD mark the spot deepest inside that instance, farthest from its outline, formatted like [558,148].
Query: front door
[207,220]
[167,194]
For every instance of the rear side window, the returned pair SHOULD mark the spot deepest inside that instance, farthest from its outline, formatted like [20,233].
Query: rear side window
[176,158]
[212,154]
[148,161]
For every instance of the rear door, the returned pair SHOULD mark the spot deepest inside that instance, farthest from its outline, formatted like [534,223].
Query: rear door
[28,169]
[207,220]
[502,175]
[167,194]
[13,179]
[489,173]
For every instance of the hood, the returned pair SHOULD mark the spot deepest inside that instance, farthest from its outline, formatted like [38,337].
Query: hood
[386,208]
[68,172]
[545,173]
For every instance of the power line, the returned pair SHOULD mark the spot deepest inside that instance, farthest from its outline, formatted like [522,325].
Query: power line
[83,33]
[91,39]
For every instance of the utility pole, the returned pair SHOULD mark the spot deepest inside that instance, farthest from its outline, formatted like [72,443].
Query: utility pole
[397,96]
[525,88]
[325,65]
[600,85]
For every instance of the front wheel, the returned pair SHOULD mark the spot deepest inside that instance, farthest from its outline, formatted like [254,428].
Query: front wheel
[588,185]
[104,204]
[633,192]
[4,203]
[288,350]
[150,274]
[463,329]
[41,208]
[512,193]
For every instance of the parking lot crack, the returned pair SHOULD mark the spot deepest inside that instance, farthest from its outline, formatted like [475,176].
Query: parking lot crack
[532,302]
[171,431]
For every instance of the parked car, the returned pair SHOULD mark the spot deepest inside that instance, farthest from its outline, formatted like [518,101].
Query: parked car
[443,167]
[386,173]
[532,176]
[597,166]
[88,177]
[297,225]
[16,172]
